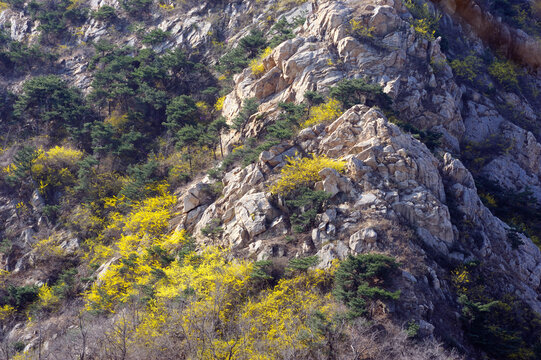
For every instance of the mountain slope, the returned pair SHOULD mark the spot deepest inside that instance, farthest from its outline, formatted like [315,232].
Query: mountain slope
[373,186]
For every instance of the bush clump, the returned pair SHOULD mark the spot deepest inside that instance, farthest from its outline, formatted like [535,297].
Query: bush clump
[18,172]
[282,30]
[155,37]
[477,154]
[137,8]
[239,57]
[249,107]
[497,322]
[105,13]
[361,278]
[358,91]
[55,169]
[48,102]
[424,23]
[19,296]
[301,265]
[467,69]
[303,172]
[256,65]
[324,113]
[306,204]
[18,58]
[360,31]
[505,73]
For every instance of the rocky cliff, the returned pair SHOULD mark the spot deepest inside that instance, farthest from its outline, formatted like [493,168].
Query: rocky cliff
[398,194]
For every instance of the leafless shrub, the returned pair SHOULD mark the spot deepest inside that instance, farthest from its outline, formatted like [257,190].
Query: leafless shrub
[389,342]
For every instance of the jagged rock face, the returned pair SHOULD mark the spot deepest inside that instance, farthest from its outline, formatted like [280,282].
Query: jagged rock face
[392,173]
[189,29]
[404,64]
[324,53]
[494,248]
[396,163]
[393,181]
[515,43]
[21,27]
[395,195]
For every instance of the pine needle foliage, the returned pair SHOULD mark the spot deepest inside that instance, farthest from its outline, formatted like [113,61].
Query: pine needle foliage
[302,264]
[361,278]
[306,204]
[359,91]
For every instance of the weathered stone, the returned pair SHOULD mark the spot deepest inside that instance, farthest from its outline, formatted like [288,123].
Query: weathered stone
[384,20]
[326,255]
[196,195]
[27,237]
[190,202]
[70,246]
[426,329]
[333,182]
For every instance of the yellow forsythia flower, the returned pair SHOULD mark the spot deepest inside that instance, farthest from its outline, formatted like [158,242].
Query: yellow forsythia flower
[257,64]
[303,172]
[323,113]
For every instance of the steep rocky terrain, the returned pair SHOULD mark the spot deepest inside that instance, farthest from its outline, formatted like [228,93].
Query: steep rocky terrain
[441,170]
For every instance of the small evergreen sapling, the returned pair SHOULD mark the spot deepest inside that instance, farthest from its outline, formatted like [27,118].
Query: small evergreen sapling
[361,278]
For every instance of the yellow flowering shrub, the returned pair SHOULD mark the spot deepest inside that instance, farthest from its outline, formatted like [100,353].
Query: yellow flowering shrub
[276,320]
[257,64]
[161,290]
[150,217]
[461,279]
[146,218]
[98,252]
[467,69]
[59,156]
[21,356]
[360,31]
[303,172]
[203,107]
[219,104]
[3,275]
[423,28]
[137,268]
[206,272]
[56,167]
[505,73]
[117,120]
[424,23]
[133,242]
[9,169]
[22,208]
[6,312]
[167,7]
[48,248]
[224,317]
[47,298]
[73,4]
[466,281]
[86,222]
[138,248]
[116,286]
[324,113]
[179,165]
[208,298]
